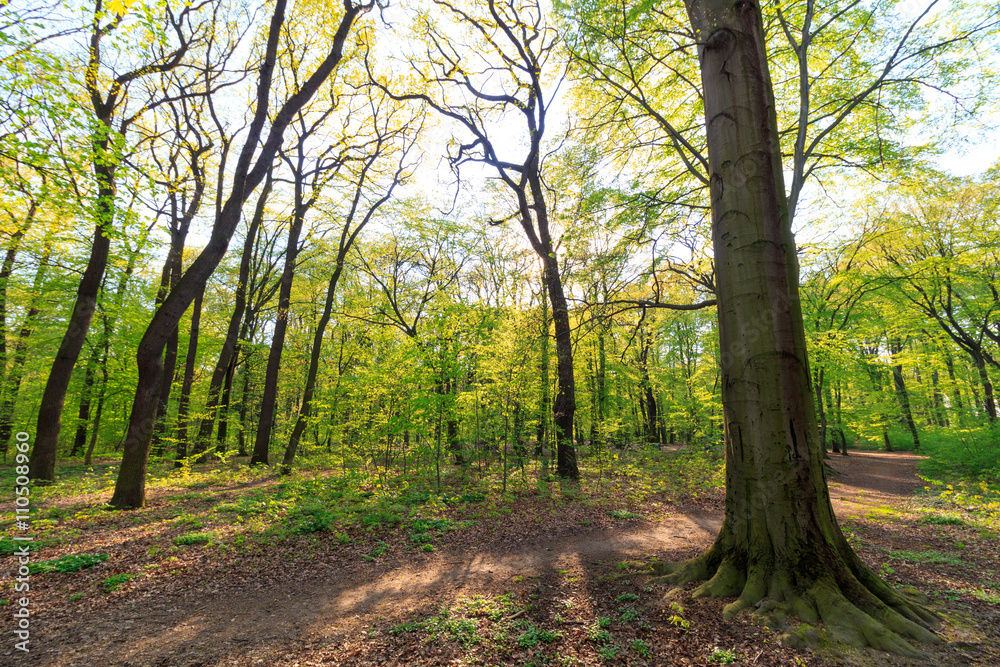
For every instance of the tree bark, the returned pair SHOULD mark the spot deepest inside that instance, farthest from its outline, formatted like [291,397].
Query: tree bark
[543,370]
[182,407]
[780,547]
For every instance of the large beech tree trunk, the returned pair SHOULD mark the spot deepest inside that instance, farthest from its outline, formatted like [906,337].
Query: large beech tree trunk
[780,544]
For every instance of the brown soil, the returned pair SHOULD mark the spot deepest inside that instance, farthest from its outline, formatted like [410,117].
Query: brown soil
[312,601]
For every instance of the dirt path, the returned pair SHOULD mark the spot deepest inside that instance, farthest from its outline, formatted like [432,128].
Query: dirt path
[252,610]
[871,479]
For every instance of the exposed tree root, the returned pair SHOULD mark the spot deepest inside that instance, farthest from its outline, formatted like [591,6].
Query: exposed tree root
[856,607]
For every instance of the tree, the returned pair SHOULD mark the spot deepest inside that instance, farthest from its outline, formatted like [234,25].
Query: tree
[780,547]
[111,121]
[505,69]
[130,490]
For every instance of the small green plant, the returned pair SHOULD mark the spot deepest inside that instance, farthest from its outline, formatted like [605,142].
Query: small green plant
[676,619]
[603,622]
[628,614]
[608,652]
[627,597]
[532,636]
[944,520]
[723,656]
[192,538]
[69,563]
[115,581]
[641,648]
[427,548]
[599,636]
[310,519]
[381,549]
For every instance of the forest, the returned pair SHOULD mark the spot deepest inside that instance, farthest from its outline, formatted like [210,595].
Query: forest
[499,332]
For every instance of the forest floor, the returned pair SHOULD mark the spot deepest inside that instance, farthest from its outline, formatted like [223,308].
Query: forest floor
[544,579]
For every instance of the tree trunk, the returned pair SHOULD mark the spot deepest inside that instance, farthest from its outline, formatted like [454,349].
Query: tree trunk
[261,448]
[895,347]
[83,416]
[988,403]
[543,370]
[5,271]
[95,430]
[223,412]
[821,412]
[949,363]
[182,406]
[564,407]
[940,418]
[780,547]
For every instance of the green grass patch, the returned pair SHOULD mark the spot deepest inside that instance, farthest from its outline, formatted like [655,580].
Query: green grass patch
[943,520]
[68,563]
[193,538]
[931,557]
[116,581]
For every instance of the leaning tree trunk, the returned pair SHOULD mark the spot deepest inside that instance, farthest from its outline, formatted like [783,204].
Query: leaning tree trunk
[780,548]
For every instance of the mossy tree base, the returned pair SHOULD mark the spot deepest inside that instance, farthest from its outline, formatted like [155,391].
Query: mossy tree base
[855,606]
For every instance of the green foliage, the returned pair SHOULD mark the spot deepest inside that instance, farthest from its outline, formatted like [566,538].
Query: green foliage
[943,520]
[310,519]
[627,614]
[723,656]
[68,563]
[641,648]
[115,581]
[531,636]
[965,452]
[380,549]
[925,557]
[608,652]
[598,635]
[193,538]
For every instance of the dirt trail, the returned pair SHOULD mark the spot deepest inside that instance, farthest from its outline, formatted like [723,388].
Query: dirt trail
[319,603]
